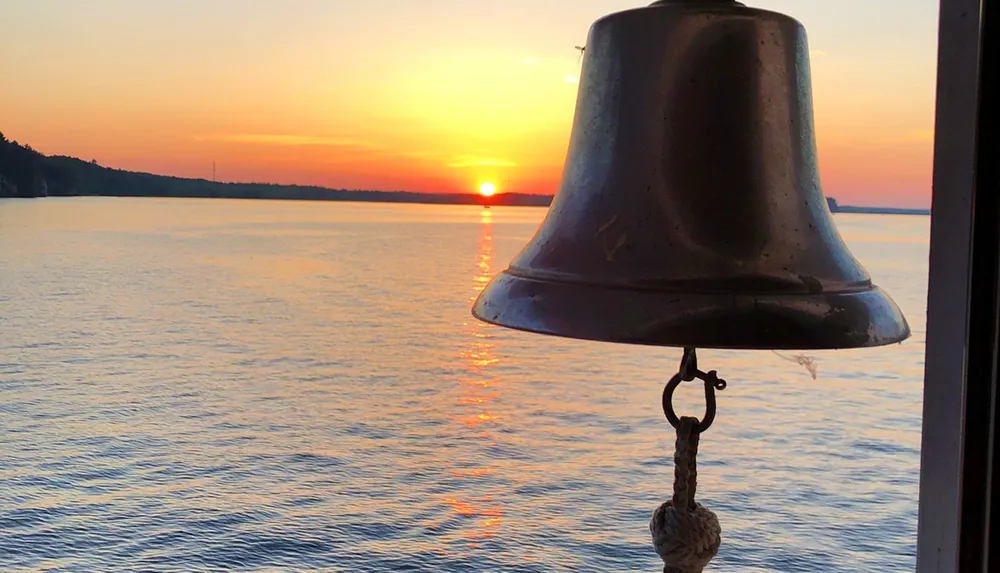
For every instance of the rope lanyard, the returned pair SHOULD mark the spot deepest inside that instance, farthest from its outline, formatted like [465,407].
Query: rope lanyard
[687,535]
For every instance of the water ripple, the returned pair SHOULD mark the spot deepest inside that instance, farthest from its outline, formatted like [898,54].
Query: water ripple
[195,386]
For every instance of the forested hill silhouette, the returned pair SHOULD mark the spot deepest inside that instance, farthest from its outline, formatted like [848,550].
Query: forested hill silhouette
[25,172]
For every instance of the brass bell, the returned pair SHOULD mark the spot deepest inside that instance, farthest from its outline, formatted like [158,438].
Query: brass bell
[690,211]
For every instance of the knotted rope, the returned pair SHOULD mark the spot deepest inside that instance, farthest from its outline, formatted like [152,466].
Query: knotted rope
[686,535]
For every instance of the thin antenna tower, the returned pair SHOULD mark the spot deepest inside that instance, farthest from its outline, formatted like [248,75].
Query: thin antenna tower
[213,172]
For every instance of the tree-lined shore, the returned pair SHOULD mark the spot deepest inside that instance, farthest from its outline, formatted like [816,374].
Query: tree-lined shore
[27,173]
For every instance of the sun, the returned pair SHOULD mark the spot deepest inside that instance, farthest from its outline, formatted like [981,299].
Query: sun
[487,189]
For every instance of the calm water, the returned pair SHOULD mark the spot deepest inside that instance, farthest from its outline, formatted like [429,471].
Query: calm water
[270,387]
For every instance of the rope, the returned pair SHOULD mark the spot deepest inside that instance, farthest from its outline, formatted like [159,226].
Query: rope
[686,535]
[802,360]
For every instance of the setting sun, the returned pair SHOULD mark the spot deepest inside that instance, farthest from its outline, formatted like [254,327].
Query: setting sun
[487,189]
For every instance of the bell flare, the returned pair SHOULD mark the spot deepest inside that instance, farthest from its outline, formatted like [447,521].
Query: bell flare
[690,211]
[822,321]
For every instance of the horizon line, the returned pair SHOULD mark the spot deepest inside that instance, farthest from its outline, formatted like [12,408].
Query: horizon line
[839,207]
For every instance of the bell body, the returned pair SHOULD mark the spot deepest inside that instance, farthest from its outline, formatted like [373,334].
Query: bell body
[690,211]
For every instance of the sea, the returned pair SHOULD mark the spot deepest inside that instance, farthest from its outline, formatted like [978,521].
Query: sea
[268,386]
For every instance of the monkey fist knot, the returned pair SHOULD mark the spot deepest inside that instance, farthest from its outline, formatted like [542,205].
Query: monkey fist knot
[685,540]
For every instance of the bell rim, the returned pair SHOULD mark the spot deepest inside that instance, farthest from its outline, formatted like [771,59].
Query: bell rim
[708,285]
[865,319]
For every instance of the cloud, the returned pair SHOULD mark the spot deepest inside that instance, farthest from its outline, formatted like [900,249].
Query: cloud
[571,79]
[817,53]
[287,139]
[464,162]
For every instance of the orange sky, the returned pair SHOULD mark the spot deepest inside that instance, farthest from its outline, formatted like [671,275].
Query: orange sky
[422,95]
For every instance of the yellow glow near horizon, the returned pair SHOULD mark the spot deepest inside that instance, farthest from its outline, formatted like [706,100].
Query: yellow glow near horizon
[487,189]
[433,97]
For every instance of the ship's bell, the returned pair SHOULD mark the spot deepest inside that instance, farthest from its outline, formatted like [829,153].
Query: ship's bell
[690,211]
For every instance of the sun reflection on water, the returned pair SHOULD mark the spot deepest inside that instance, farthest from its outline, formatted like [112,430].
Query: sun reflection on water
[480,388]
[478,382]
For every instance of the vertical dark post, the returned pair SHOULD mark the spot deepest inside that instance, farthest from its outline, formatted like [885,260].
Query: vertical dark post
[980,533]
[959,514]
[981,350]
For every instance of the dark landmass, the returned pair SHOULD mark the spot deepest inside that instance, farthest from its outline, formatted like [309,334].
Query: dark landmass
[26,173]
[837,208]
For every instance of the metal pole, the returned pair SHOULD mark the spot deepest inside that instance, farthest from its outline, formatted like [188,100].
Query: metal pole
[980,533]
[962,319]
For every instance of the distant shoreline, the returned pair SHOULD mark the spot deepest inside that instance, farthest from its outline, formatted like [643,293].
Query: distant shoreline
[264,192]
[296,193]
[269,192]
[26,173]
[838,208]
[880,210]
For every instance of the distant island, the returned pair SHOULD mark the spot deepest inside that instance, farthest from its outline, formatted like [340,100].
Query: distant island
[26,173]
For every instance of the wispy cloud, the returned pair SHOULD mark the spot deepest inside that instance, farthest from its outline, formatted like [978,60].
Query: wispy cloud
[817,53]
[287,139]
[464,162]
